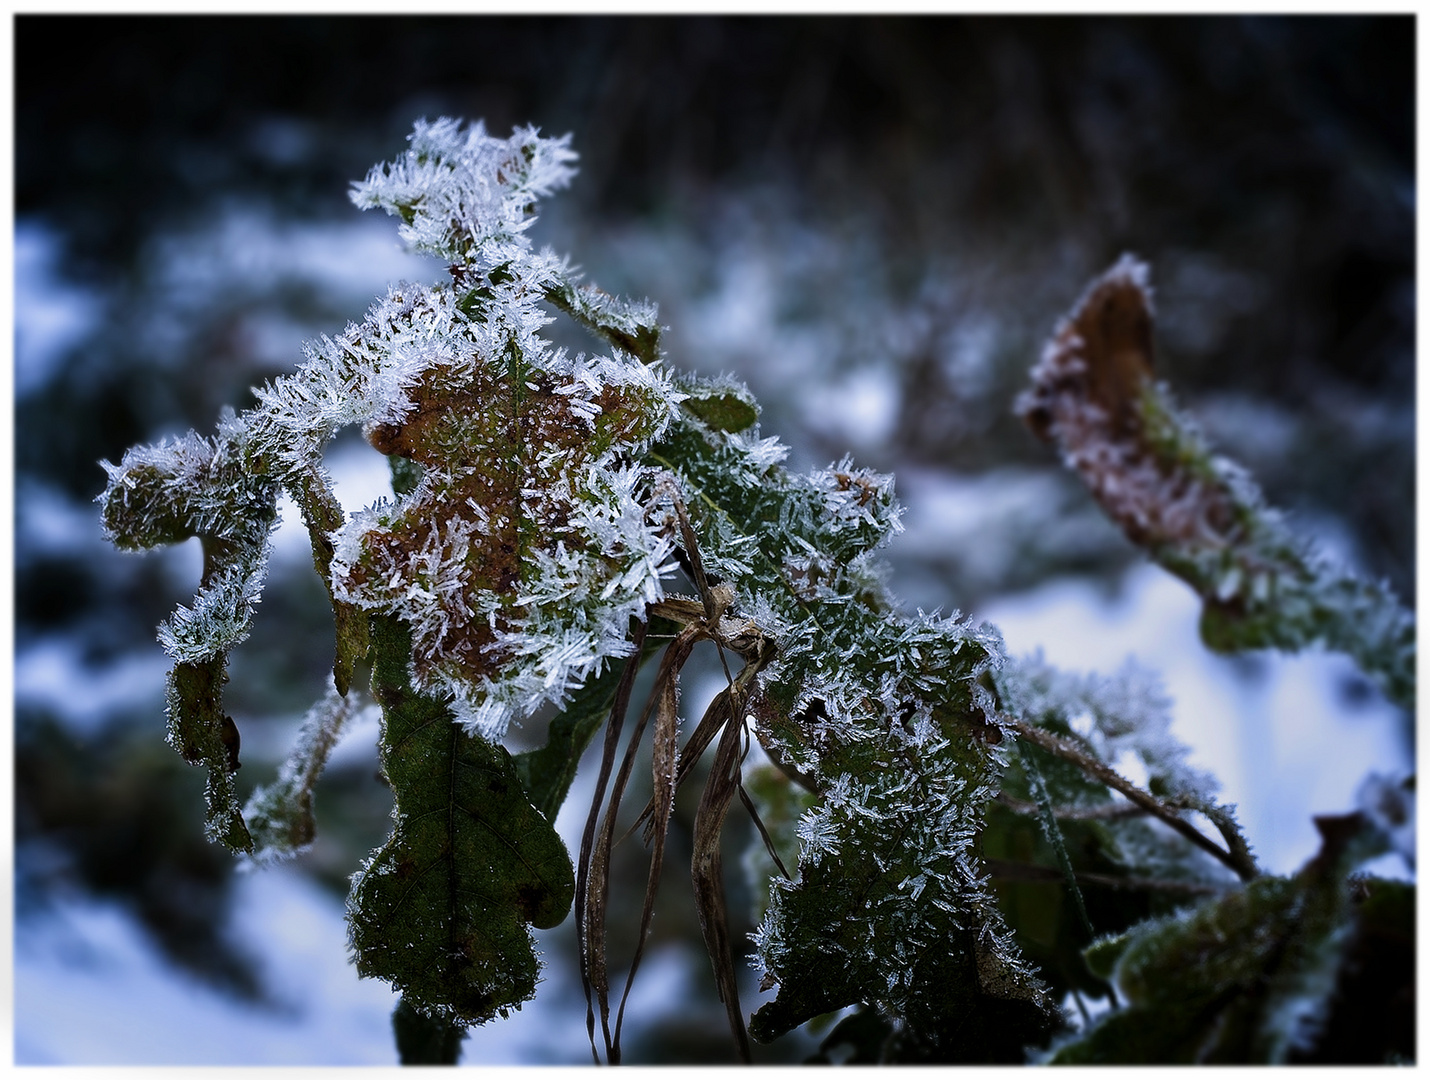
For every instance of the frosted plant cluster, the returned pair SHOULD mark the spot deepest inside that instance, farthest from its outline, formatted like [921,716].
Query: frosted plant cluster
[541,502]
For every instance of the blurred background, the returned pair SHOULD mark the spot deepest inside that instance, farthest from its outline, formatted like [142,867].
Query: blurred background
[874,221]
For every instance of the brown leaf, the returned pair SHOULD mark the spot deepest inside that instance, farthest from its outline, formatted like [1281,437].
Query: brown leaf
[709,884]
[664,756]
[591,891]
[594,945]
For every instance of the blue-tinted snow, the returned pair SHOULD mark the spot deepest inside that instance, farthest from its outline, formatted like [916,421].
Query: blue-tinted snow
[52,315]
[52,674]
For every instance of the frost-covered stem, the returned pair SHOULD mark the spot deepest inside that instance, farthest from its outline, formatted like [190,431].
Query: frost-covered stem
[1103,812]
[1006,870]
[1053,833]
[422,1040]
[323,516]
[1244,868]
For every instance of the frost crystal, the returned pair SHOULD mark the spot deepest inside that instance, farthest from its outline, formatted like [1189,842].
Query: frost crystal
[531,539]
[1129,713]
[462,194]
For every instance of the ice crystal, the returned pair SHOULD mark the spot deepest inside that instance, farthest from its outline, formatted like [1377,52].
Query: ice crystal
[464,195]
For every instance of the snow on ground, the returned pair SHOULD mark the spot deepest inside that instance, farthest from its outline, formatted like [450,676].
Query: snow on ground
[90,989]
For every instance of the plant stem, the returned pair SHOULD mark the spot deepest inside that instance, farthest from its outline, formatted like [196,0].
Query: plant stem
[1244,869]
[422,1040]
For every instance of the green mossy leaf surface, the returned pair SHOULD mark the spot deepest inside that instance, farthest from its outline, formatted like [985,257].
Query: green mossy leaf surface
[1245,979]
[443,910]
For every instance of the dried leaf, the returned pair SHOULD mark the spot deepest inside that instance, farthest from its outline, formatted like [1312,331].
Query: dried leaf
[280,815]
[705,873]
[664,757]
[591,877]
[594,953]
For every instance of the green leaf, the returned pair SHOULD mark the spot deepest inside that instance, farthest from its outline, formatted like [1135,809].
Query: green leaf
[204,735]
[1240,980]
[723,412]
[547,771]
[442,909]
[628,325]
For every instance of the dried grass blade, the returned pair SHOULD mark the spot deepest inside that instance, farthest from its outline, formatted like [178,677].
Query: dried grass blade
[692,552]
[664,758]
[595,954]
[709,884]
[583,866]
[716,715]
[764,835]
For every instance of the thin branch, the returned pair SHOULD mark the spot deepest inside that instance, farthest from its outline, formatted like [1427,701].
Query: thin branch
[1006,870]
[1054,834]
[1094,768]
[1109,811]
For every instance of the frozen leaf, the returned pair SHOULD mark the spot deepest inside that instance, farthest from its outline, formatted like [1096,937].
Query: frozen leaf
[464,195]
[280,815]
[628,326]
[1198,514]
[1244,979]
[442,910]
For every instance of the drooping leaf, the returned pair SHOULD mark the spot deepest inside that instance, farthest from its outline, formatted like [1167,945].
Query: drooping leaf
[630,327]
[164,494]
[280,815]
[1245,979]
[443,910]
[591,881]
[205,735]
[1198,514]
[709,882]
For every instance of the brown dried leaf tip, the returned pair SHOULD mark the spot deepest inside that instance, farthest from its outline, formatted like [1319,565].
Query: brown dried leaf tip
[1093,394]
[1099,359]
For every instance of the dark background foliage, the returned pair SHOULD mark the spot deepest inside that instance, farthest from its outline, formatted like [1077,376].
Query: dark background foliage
[955,167]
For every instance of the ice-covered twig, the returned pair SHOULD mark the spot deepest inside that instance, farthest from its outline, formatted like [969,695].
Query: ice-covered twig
[1063,748]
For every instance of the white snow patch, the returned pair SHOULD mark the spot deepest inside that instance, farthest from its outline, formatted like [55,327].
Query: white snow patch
[90,989]
[52,674]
